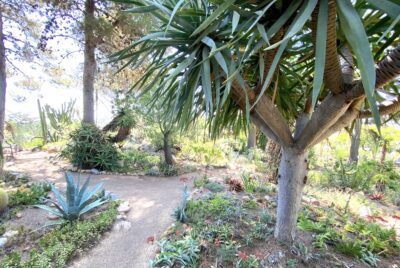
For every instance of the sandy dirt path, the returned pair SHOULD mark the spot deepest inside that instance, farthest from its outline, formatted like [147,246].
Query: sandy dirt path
[152,201]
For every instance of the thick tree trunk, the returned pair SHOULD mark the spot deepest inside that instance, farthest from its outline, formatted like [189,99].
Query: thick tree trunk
[89,65]
[3,86]
[273,151]
[169,159]
[252,137]
[291,180]
[355,142]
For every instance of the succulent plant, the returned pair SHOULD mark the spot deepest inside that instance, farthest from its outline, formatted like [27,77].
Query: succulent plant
[3,200]
[76,201]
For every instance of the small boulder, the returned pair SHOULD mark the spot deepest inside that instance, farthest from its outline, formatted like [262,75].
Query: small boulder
[10,234]
[52,217]
[122,226]
[18,215]
[3,242]
[364,212]
[245,198]
[94,171]
[124,207]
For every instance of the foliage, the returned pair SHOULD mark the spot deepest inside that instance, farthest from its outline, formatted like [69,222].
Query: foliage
[60,120]
[214,187]
[235,185]
[358,239]
[180,211]
[250,182]
[89,148]
[3,200]
[24,196]
[167,170]
[203,152]
[201,182]
[135,160]
[58,246]
[183,253]
[77,200]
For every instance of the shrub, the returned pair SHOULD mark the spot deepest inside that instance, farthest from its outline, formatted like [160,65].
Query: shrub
[77,201]
[167,170]
[135,160]
[37,193]
[180,253]
[250,183]
[89,148]
[58,246]
[235,185]
[201,182]
[180,211]
[3,200]
[214,187]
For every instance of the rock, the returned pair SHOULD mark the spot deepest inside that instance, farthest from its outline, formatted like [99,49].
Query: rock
[95,171]
[272,259]
[245,198]
[3,241]
[26,248]
[364,212]
[268,198]
[10,234]
[122,226]
[124,207]
[121,217]
[52,217]
[18,215]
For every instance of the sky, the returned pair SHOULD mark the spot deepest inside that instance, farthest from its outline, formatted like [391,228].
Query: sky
[22,102]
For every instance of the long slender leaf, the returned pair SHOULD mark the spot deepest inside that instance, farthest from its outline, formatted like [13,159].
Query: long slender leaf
[320,51]
[353,29]
[392,9]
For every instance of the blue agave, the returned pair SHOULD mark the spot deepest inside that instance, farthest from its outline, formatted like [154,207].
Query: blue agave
[77,200]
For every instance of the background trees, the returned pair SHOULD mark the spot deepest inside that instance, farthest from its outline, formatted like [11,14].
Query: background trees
[274,63]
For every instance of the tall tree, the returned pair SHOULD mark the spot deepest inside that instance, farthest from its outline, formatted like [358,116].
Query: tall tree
[89,63]
[274,63]
[99,27]
[17,36]
[3,85]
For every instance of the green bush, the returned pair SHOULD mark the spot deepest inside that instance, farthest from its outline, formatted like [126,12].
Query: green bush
[33,195]
[89,148]
[135,160]
[58,246]
[214,187]
[3,200]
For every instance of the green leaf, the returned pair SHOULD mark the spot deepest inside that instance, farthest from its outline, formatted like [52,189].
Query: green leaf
[392,9]
[141,9]
[177,6]
[206,81]
[217,55]
[263,33]
[353,29]
[320,51]
[235,21]
[212,18]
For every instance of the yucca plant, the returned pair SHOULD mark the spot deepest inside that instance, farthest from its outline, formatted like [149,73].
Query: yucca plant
[76,201]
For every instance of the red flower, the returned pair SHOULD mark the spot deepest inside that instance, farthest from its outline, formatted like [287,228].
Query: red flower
[151,239]
[177,232]
[243,256]
[183,179]
[259,255]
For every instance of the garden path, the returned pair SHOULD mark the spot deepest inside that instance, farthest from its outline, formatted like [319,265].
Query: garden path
[152,201]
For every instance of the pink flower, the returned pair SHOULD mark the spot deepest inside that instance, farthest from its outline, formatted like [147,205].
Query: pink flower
[243,256]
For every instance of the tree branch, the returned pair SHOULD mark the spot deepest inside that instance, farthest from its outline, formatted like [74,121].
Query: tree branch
[383,110]
[388,69]
[264,110]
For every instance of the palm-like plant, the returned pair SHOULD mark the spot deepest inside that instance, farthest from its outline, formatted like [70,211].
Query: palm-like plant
[272,62]
[77,200]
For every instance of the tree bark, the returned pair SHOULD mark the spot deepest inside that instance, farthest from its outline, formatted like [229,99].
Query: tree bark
[169,159]
[355,142]
[3,87]
[383,152]
[291,180]
[252,137]
[273,151]
[89,65]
